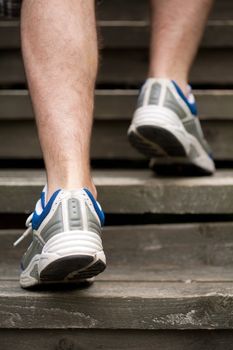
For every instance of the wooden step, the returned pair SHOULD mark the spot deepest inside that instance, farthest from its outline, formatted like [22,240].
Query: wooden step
[157,253]
[143,303]
[139,10]
[119,305]
[113,112]
[116,339]
[136,34]
[129,192]
[129,66]
[119,104]
[117,34]
[109,141]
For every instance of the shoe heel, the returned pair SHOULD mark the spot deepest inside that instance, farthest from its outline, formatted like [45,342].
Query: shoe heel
[70,254]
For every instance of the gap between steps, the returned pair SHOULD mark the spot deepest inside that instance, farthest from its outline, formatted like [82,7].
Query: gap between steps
[96,164]
[16,221]
[124,85]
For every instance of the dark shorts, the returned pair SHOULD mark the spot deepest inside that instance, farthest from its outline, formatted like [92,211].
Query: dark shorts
[10,8]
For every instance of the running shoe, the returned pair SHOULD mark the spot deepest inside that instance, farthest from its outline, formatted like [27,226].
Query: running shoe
[66,242]
[166,129]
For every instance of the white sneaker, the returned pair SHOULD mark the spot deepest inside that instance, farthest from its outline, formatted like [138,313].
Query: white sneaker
[165,128]
[66,239]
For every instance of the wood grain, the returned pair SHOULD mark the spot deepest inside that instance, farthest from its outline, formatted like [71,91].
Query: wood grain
[139,10]
[19,140]
[119,104]
[118,305]
[172,252]
[130,192]
[129,67]
[128,34]
[115,339]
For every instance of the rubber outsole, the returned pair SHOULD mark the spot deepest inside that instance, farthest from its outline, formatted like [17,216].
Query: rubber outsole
[160,144]
[72,269]
[159,139]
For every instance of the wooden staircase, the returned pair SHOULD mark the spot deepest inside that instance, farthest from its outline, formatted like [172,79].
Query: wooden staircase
[169,241]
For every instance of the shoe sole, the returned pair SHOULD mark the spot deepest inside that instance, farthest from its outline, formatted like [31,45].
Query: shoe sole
[72,269]
[68,257]
[171,148]
[69,269]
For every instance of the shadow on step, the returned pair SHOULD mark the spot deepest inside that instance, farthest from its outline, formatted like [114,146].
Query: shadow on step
[61,287]
[15,221]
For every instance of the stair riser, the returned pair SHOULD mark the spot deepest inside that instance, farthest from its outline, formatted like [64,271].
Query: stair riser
[129,192]
[119,104]
[109,141]
[119,305]
[128,35]
[115,340]
[130,67]
[181,252]
[139,10]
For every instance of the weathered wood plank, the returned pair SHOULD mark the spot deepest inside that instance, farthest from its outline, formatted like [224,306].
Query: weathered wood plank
[116,339]
[132,192]
[119,104]
[119,305]
[128,34]
[177,252]
[19,140]
[130,67]
[114,109]
[110,141]
[139,10]
[156,273]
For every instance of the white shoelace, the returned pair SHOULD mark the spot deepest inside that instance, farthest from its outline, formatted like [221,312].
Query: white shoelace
[27,232]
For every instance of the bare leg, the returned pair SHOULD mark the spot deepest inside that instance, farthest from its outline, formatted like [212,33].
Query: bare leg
[164,126]
[60,55]
[177,28]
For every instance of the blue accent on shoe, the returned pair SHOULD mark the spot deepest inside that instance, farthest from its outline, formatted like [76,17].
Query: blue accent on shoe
[192,106]
[42,199]
[99,212]
[37,219]
[211,156]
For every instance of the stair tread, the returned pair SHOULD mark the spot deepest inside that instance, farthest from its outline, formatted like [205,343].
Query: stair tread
[130,192]
[129,33]
[113,112]
[129,67]
[119,104]
[138,10]
[152,273]
[107,177]
[125,297]
[121,305]
[167,252]
[109,140]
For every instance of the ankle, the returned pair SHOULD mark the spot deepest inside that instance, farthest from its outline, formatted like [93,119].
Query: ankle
[54,186]
[181,82]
